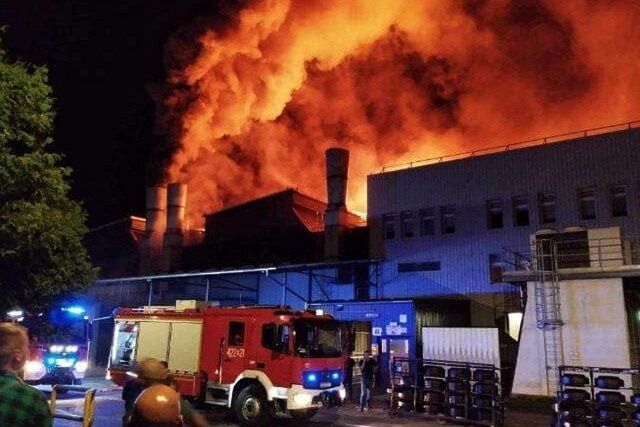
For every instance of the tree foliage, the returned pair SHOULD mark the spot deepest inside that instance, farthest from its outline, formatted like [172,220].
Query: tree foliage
[41,228]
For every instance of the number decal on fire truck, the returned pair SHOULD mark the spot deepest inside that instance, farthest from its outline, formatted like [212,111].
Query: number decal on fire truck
[235,352]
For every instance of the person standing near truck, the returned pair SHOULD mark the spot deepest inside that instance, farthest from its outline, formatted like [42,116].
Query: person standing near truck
[348,377]
[368,367]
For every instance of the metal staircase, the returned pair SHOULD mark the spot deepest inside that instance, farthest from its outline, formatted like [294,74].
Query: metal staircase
[548,314]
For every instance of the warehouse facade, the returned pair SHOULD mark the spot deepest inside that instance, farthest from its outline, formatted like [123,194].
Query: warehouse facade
[442,227]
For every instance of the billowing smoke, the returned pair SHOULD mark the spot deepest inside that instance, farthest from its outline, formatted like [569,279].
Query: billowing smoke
[250,108]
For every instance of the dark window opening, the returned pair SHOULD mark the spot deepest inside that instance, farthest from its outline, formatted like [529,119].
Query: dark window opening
[619,201]
[587,203]
[408,267]
[236,334]
[494,214]
[448,220]
[407,224]
[547,207]
[520,211]
[427,222]
[389,226]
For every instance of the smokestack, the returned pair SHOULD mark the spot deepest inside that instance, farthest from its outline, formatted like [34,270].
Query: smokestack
[337,160]
[151,243]
[173,237]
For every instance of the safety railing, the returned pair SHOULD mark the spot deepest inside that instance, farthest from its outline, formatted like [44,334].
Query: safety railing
[607,252]
[89,405]
[515,145]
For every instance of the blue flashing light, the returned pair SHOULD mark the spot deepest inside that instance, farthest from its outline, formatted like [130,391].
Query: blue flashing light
[51,360]
[335,376]
[312,377]
[75,310]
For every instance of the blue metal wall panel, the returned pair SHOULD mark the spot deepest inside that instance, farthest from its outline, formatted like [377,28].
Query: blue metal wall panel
[597,161]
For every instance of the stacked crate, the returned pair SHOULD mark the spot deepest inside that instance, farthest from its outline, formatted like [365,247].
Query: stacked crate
[595,396]
[461,391]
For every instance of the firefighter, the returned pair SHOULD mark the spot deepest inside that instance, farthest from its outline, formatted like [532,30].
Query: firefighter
[157,406]
[154,372]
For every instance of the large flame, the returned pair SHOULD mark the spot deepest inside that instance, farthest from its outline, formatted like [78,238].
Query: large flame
[251,108]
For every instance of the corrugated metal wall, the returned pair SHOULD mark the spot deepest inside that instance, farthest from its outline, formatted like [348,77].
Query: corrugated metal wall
[599,161]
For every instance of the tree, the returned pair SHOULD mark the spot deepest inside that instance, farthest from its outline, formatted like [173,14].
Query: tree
[41,229]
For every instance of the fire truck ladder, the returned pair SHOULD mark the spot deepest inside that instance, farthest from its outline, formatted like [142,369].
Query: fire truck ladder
[548,314]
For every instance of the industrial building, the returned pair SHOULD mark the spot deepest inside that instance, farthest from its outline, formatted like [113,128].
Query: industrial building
[432,252]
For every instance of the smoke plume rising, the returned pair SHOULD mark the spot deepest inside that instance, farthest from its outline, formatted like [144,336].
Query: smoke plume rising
[250,108]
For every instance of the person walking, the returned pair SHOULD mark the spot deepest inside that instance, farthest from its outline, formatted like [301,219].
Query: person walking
[20,404]
[368,367]
[348,377]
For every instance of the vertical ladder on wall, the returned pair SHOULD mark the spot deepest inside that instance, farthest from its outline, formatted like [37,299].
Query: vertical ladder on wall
[548,315]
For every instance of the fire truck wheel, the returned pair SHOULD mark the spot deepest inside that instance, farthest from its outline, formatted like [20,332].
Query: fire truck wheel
[251,407]
[303,414]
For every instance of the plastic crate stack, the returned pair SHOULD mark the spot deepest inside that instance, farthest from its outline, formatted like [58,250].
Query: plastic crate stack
[403,385]
[595,396]
[433,390]
[462,391]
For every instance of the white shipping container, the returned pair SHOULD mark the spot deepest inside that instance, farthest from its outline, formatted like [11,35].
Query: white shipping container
[469,345]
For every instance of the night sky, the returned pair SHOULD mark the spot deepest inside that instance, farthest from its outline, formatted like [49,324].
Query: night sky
[102,56]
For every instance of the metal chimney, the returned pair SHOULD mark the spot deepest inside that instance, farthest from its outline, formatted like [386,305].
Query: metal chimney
[151,243]
[173,237]
[337,160]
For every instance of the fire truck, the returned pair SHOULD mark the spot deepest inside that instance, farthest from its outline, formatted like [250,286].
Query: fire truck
[59,344]
[258,361]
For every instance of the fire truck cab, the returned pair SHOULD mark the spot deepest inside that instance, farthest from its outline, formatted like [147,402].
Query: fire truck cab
[257,361]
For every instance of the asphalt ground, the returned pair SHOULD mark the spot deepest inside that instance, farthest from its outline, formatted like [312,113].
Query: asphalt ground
[109,410]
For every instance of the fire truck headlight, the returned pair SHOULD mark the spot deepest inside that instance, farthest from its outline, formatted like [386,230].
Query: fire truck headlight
[56,348]
[34,366]
[302,399]
[71,349]
[81,366]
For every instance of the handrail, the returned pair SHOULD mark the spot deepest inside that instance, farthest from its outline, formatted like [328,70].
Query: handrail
[567,136]
[89,404]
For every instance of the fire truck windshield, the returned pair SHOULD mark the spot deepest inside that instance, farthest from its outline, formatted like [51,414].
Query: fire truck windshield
[317,338]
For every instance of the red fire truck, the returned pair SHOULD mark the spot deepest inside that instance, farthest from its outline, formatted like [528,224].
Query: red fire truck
[257,361]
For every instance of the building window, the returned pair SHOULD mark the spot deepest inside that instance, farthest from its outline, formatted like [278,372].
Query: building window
[520,211]
[496,268]
[408,267]
[389,226]
[427,222]
[587,203]
[407,223]
[547,207]
[619,200]
[448,216]
[495,214]
[236,334]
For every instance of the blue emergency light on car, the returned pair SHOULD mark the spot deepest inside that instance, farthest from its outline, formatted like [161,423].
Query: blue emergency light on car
[311,377]
[335,376]
[76,310]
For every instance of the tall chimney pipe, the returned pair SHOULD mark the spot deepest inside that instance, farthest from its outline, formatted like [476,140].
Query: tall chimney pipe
[151,243]
[337,163]
[173,237]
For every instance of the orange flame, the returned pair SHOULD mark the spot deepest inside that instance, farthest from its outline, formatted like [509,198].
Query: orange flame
[252,110]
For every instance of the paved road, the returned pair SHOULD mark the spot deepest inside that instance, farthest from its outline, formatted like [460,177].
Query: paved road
[109,409]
